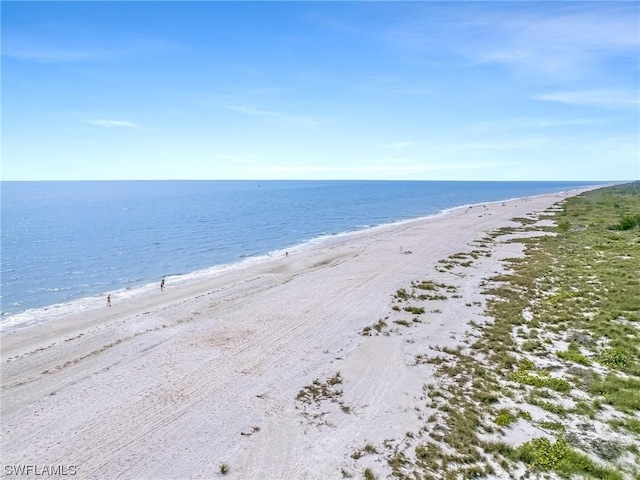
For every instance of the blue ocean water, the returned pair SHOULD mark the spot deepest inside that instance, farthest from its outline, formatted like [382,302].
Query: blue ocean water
[62,241]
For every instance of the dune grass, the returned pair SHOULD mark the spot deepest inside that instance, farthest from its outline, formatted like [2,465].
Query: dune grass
[564,338]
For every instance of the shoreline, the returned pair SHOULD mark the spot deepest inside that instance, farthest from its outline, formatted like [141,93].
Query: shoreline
[209,373]
[53,312]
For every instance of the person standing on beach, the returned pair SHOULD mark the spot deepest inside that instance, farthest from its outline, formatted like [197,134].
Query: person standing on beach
[162,285]
[108,300]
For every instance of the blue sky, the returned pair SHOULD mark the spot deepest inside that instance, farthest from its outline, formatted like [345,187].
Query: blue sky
[321,90]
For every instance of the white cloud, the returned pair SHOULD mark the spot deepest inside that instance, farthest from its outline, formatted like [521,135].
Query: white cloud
[475,147]
[546,39]
[99,122]
[379,168]
[564,42]
[403,145]
[235,159]
[275,115]
[254,111]
[39,48]
[529,123]
[52,54]
[595,98]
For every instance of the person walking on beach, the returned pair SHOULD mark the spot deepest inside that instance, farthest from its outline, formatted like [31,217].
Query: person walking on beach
[162,285]
[108,300]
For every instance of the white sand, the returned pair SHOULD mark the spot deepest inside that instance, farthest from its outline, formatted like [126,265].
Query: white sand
[173,384]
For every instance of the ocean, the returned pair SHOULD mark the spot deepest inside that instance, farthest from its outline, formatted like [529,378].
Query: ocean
[65,243]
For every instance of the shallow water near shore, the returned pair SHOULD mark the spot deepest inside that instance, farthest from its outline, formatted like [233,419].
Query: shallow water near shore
[66,243]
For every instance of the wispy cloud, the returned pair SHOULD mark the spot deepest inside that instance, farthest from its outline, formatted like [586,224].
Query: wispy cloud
[479,146]
[49,54]
[396,167]
[595,98]
[567,42]
[532,123]
[235,159]
[39,48]
[553,41]
[390,85]
[99,122]
[403,145]
[274,115]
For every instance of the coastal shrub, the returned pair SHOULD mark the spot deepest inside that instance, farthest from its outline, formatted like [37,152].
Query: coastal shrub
[497,447]
[380,325]
[504,418]
[606,449]
[552,426]
[531,345]
[402,294]
[427,285]
[396,462]
[550,407]
[318,391]
[621,393]
[414,310]
[524,414]
[541,454]
[436,296]
[573,354]
[585,408]
[540,379]
[486,396]
[614,358]
[627,222]
[369,448]
[630,424]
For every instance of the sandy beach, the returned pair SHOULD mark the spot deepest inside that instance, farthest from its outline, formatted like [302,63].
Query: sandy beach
[176,384]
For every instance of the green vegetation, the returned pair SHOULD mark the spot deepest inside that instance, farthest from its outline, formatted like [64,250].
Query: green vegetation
[540,379]
[621,393]
[627,222]
[414,310]
[378,327]
[505,418]
[573,354]
[368,474]
[563,335]
[541,454]
[319,391]
[630,424]
[404,323]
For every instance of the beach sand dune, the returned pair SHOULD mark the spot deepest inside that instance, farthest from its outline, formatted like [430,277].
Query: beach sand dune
[178,383]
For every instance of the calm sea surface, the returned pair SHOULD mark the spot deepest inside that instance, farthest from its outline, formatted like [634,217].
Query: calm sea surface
[64,241]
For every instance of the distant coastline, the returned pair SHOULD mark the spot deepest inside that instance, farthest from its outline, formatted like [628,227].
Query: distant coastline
[58,299]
